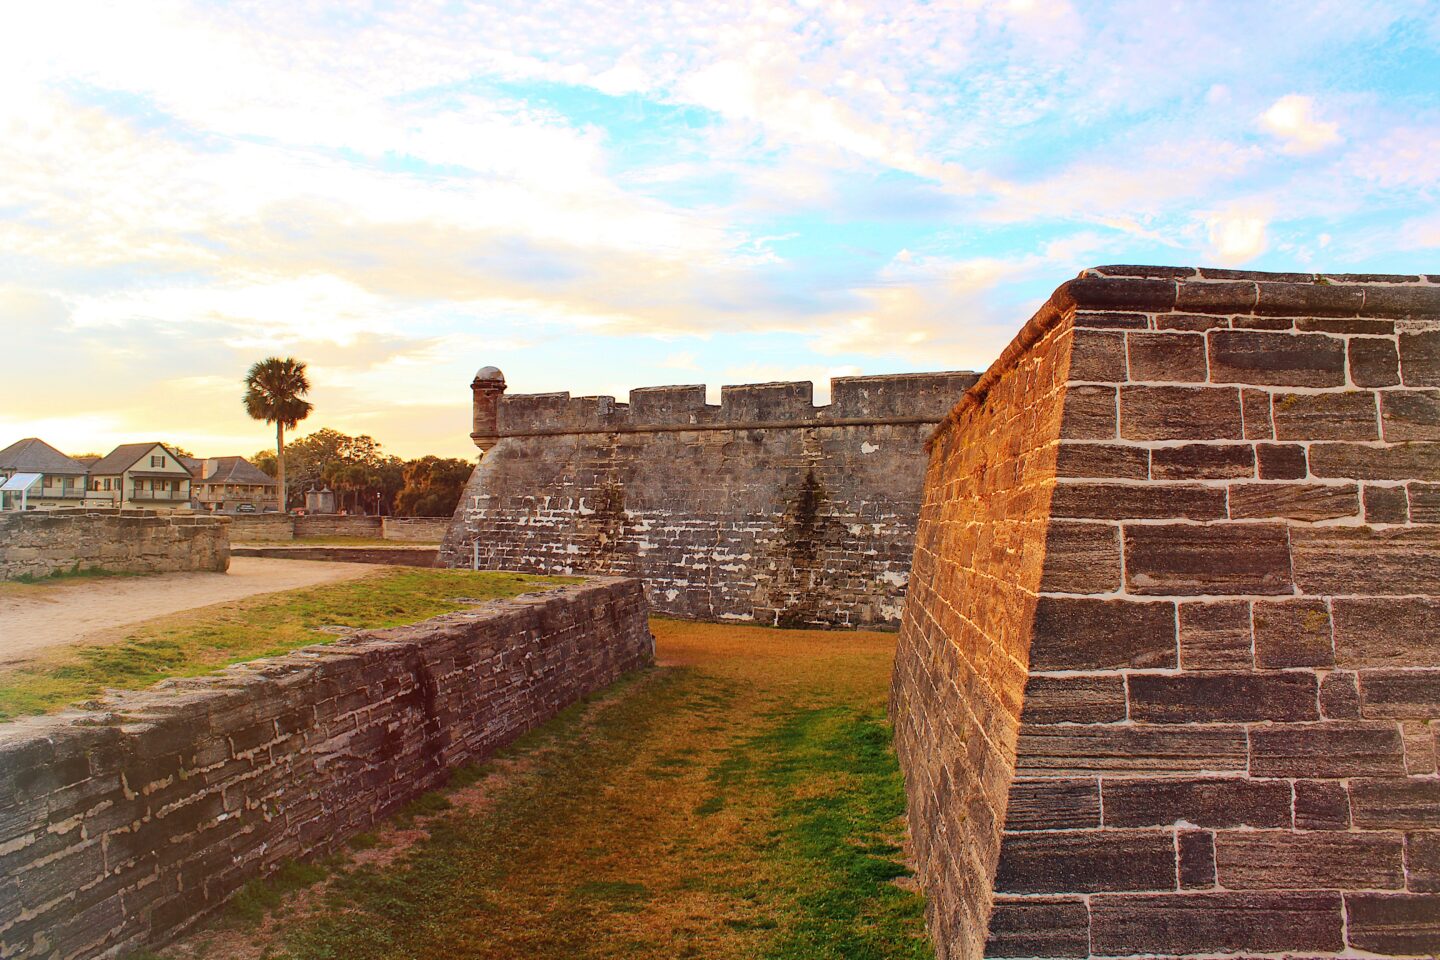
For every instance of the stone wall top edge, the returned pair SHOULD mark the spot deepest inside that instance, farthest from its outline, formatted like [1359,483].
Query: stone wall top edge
[77,729]
[902,397]
[1157,289]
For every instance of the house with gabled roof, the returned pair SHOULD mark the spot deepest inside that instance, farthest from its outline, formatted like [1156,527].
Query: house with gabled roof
[231,485]
[148,475]
[52,478]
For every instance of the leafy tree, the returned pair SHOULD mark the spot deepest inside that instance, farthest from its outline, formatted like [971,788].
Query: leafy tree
[433,486]
[275,392]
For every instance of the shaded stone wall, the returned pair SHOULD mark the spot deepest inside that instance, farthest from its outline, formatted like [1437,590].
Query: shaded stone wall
[125,824]
[763,508]
[1227,739]
[38,543]
[415,529]
[332,525]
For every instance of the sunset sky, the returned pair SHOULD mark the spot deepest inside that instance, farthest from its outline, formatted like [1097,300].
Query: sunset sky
[601,196]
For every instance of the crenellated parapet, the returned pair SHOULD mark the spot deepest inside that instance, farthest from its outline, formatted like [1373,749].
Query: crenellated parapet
[898,398]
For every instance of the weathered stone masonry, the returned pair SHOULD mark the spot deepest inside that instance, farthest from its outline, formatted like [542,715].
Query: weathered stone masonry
[41,542]
[125,824]
[1168,679]
[763,508]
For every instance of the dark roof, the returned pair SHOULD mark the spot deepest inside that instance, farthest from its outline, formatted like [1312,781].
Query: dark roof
[32,455]
[231,470]
[123,457]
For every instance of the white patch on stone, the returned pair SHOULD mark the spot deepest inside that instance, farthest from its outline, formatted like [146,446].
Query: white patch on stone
[867,447]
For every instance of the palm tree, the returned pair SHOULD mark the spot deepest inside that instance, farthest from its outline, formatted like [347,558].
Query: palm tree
[275,392]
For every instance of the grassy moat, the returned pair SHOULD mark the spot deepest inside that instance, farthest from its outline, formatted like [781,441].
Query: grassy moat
[207,639]
[741,800]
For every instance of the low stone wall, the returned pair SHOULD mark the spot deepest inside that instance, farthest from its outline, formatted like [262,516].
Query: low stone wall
[123,826]
[415,529]
[1168,681]
[38,543]
[417,556]
[261,527]
[324,525]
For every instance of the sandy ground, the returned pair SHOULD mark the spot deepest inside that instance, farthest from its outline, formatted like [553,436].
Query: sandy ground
[38,616]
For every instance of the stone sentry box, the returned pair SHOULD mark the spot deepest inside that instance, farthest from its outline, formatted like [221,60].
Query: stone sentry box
[1168,679]
[762,508]
[123,825]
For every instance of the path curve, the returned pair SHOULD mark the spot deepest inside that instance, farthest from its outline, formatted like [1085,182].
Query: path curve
[52,614]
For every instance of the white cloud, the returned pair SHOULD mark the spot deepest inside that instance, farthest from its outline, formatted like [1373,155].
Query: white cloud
[1237,235]
[1292,119]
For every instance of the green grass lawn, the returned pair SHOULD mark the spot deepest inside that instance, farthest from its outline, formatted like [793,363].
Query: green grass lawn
[202,641]
[741,801]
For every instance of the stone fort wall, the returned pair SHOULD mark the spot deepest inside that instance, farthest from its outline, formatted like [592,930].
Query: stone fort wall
[124,825]
[38,543]
[762,508]
[1168,678]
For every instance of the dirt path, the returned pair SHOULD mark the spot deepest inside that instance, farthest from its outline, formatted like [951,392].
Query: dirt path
[34,617]
[740,801]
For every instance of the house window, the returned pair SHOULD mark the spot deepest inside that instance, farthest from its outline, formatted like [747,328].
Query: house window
[107,483]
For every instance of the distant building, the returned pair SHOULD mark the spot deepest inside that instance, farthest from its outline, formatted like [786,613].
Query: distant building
[61,480]
[230,485]
[148,475]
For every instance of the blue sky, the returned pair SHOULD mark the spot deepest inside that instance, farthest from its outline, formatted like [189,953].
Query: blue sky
[601,196]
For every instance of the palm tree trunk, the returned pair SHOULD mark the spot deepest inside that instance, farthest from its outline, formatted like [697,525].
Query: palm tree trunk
[280,463]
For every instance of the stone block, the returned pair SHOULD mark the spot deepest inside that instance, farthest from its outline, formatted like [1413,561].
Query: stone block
[1053,805]
[1223,697]
[1276,359]
[1086,634]
[1327,749]
[1196,852]
[1081,558]
[1207,923]
[1257,414]
[1280,461]
[1398,924]
[1422,861]
[1167,357]
[1423,501]
[1114,750]
[1215,636]
[1309,300]
[1410,415]
[1374,362]
[1385,504]
[1387,632]
[1130,501]
[1293,501]
[1217,297]
[1102,460]
[1292,633]
[1098,355]
[1340,695]
[1396,803]
[1203,461]
[1417,460]
[1321,805]
[1180,413]
[1089,413]
[1038,927]
[1092,699]
[1400,694]
[1359,560]
[1283,860]
[1420,359]
[1085,861]
[1347,415]
[1218,559]
[1213,802]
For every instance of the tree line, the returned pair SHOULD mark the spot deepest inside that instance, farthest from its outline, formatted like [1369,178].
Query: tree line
[365,478]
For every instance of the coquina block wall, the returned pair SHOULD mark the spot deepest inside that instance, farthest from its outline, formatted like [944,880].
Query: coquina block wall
[1169,671]
[765,507]
[124,825]
[38,543]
